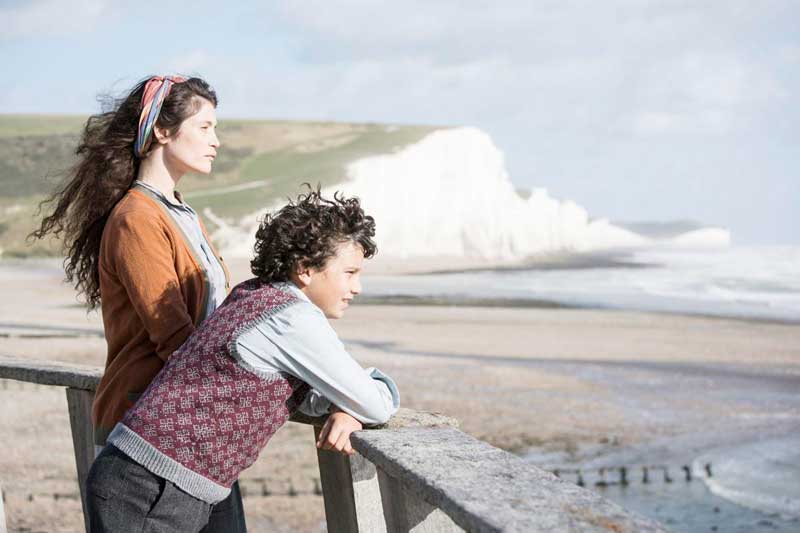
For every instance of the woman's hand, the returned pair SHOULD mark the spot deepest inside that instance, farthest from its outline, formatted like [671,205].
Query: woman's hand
[335,434]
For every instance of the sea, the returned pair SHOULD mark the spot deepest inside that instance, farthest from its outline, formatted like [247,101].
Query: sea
[751,483]
[758,282]
[755,484]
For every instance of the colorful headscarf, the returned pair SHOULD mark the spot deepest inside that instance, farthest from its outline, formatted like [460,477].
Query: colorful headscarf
[155,92]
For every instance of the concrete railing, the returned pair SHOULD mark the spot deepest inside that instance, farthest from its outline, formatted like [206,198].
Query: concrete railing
[417,473]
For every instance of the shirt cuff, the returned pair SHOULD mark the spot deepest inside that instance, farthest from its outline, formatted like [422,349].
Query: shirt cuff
[392,392]
[315,404]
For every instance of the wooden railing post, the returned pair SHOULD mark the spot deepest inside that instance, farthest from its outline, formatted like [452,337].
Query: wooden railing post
[337,490]
[351,492]
[80,421]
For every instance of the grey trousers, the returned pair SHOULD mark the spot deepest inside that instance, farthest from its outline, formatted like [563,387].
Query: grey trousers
[228,515]
[124,496]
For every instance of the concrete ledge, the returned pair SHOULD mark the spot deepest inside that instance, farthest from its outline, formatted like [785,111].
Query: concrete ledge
[482,488]
[51,373]
[404,418]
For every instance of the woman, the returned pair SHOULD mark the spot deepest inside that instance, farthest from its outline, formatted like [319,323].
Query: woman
[133,245]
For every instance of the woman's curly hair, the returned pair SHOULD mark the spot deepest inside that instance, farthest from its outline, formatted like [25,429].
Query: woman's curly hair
[105,169]
[306,232]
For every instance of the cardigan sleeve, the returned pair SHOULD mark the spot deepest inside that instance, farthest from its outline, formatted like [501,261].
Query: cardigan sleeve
[141,255]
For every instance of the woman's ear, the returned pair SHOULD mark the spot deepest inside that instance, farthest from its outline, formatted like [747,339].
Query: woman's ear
[161,135]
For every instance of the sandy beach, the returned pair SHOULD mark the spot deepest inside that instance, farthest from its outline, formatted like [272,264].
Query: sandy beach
[558,385]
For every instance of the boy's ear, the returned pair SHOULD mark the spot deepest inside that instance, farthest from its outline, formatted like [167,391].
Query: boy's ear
[302,274]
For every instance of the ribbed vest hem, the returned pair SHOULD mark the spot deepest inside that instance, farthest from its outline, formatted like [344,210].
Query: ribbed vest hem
[160,464]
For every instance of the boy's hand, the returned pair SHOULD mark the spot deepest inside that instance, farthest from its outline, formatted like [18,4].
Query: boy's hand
[335,434]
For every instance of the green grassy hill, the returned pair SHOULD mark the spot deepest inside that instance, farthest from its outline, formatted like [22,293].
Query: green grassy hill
[258,163]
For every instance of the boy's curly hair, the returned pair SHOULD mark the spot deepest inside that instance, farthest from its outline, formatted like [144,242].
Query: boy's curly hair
[307,231]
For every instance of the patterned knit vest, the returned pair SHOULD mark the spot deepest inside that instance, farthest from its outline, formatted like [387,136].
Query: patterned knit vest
[207,415]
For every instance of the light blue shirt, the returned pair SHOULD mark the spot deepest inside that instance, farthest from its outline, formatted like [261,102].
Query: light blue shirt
[300,341]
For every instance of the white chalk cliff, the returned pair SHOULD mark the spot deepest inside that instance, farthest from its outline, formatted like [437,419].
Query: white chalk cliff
[450,195]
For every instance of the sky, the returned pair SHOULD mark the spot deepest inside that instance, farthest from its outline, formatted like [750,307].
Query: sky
[636,110]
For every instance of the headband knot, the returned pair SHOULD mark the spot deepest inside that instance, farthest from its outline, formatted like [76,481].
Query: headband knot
[155,92]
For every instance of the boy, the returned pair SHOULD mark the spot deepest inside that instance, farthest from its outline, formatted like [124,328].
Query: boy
[266,352]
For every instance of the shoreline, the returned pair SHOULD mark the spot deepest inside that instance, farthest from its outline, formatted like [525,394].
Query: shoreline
[425,265]
[536,303]
[239,269]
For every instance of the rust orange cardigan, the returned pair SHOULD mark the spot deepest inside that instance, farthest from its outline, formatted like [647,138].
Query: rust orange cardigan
[153,293]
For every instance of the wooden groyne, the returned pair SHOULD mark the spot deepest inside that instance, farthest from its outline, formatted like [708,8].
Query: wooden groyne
[417,473]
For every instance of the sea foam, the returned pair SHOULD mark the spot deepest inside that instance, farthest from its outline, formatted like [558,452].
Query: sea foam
[762,475]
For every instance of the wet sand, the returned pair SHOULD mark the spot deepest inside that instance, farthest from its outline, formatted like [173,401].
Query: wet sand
[558,385]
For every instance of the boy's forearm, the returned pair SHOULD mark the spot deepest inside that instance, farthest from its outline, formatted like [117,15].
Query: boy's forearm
[370,411]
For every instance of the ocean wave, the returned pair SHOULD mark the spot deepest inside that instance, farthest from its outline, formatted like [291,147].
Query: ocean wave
[746,282]
[762,475]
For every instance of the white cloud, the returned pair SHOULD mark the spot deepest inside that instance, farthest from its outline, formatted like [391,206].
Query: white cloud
[194,62]
[623,68]
[652,122]
[39,18]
